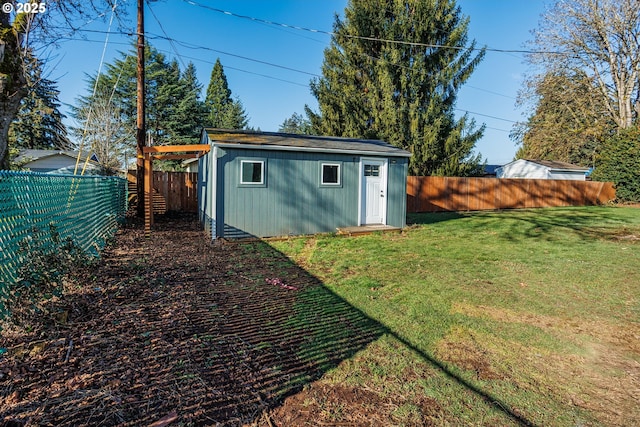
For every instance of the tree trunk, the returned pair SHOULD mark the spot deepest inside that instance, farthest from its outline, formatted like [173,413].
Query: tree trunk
[13,83]
[8,111]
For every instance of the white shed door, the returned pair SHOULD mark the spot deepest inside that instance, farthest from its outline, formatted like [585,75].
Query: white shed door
[374,187]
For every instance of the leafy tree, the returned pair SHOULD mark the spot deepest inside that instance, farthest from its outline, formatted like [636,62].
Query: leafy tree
[567,123]
[600,39]
[38,124]
[297,123]
[392,72]
[222,110]
[174,111]
[619,162]
[105,131]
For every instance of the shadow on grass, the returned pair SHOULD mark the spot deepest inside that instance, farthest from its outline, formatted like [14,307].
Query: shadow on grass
[592,222]
[173,326]
[432,217]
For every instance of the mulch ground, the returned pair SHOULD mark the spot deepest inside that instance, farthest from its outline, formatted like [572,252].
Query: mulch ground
[173,330]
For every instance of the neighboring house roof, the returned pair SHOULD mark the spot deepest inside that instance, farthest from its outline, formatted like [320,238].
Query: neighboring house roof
[558,166]
[55,161]
[189,161]
[296,142]
[30,155]
[490,169]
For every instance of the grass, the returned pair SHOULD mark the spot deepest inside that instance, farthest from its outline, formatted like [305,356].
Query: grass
[518,317]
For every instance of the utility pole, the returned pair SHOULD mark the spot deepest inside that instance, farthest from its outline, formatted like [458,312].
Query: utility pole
[140,125]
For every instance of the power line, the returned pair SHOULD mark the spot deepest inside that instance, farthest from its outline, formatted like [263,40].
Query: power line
[192,46]
[198,47]
[246,58]
[490,91]
[485,115]
[206,61]
[195,47]
[333,34]
[500,130]
[175,50]
[95,88]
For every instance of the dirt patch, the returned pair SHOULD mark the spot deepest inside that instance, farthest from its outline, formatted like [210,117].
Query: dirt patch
[172,327]
[604,378]
[325,404]
[468,355]
[621,336]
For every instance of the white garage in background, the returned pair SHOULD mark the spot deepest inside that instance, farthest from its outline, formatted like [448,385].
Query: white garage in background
[542,169]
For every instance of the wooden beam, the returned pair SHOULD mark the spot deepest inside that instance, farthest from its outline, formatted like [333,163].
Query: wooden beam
[148,194]
[175,156]
[177,148]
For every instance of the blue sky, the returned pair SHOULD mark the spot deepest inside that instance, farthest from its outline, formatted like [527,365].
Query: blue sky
[269,67]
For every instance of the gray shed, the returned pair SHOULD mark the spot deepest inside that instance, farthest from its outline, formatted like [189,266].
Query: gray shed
[264,184]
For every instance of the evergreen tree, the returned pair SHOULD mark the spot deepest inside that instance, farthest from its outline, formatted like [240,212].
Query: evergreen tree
[297,123]
[174,113]
[39,124]
[619,162]
[189,112]
[392,72]
[223,111]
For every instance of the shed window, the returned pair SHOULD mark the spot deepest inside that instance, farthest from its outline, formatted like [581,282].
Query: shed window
[330,174]
[371,170]
[252,172]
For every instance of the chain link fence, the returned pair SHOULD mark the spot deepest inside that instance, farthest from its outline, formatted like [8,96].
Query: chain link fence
[39,211]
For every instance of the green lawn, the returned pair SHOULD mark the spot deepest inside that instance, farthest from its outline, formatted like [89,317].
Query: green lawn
[525,317]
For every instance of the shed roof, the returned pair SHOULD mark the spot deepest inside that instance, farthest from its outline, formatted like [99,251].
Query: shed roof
[295,142]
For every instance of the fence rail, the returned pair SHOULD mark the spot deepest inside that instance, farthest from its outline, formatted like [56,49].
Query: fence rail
[438,194]
[172,191]
[85,209]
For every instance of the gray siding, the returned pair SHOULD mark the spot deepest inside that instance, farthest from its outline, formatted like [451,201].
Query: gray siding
[397,192]
[205,192]
[292,202]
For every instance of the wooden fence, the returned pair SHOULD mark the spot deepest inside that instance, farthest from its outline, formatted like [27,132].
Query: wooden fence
[176,191]
[172,191]
[438,194]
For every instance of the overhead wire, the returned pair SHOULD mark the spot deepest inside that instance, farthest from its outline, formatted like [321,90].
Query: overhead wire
[95,89]
[173,42]
[175,50]
[485,115]
[206,61]
[368,38]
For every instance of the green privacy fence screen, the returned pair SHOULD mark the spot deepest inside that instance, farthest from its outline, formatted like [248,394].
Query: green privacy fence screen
[35,206]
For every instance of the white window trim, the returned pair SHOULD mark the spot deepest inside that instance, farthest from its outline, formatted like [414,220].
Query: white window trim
[330,184]
[242,162]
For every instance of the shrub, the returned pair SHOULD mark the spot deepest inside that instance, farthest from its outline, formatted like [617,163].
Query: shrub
[48,259]
[619,162]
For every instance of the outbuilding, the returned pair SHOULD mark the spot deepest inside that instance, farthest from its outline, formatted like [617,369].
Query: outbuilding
[264,184]
[56,162]
[542,169]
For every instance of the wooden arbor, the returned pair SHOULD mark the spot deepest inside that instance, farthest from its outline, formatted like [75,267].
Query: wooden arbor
[166,152]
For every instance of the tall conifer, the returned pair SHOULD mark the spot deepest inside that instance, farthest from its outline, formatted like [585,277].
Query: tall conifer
[392,72]
[222,110]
